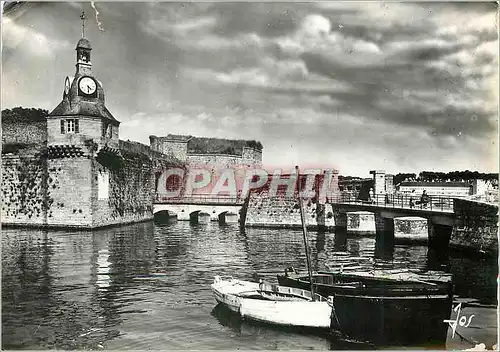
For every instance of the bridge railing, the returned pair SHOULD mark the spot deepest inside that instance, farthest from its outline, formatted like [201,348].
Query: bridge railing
[199,199]
[432,203]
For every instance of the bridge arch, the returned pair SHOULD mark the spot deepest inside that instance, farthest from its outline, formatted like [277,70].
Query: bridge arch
[164,216]
[199,216]
[228,217]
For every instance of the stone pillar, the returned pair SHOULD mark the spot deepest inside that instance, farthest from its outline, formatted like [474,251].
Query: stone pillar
[326,219]
[320,215]
[340,219]
[340,240]
[384,229]
[389,184]
[378,181]
[439,235]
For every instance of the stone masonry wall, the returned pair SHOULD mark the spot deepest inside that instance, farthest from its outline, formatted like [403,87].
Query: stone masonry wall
[361,222]
[89,128]
[132,179]
[24,188]
[40,189]
[477,227]
[130,196]
[23,132]
[219,160]
[284,212]
[69,192]
[177,149]
[251,156]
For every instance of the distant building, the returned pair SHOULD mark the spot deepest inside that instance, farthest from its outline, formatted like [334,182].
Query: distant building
[481,187]
[216,152]
[389,184]
[382,183]
[354,185]
[457,189]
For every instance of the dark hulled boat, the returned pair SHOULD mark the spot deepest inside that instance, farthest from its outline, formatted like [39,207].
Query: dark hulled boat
[383,307]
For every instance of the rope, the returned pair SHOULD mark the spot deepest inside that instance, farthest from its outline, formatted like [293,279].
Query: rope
[330,303]
[466,339]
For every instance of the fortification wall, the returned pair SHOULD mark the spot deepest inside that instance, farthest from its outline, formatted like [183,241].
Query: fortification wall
[69,192]
[218,160]
[477,227]
[124,188]
[69,188]
[251,157]
[282,212]
[24,188]
[124,194]
[177,149]
[24,132]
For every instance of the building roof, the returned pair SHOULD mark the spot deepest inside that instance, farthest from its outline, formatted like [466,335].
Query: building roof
[86,108]
[208,145]
[83,43]
[178,137]
[433,184]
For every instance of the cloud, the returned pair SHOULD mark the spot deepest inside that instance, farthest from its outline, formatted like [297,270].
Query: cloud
[315,35]
[28,40]
[194,26]
[379,84]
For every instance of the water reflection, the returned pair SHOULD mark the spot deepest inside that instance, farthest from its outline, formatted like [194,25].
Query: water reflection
[148,285]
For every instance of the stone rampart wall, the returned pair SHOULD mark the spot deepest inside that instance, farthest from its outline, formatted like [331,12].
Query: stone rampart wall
[24,133]
[177,149]
[251,156]
[24,188]
[216,160]
[130,192]
[39,189]
[69,191]
[477,226]
[280,211]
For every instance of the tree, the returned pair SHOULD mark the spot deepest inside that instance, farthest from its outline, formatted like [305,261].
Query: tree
[26,115]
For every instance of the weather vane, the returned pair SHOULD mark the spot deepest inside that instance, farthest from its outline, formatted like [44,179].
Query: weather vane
[83,18]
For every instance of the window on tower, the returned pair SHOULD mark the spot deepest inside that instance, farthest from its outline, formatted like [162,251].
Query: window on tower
[84,57]
[69,126]
[106,130]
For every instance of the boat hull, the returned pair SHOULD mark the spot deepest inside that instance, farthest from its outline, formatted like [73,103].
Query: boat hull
[244,298]
[283,313]
[394,320]
[387,313]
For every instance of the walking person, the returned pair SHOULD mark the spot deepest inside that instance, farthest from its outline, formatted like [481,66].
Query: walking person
[424,199]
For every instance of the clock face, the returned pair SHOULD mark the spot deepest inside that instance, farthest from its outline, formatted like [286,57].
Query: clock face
[66,85]
[87,85]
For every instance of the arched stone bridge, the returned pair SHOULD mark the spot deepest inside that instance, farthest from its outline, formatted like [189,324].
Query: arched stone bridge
[199,208]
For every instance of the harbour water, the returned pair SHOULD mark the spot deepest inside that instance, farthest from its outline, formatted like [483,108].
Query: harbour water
[147,286]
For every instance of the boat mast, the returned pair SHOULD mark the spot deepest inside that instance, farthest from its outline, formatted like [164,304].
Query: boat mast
[304,231]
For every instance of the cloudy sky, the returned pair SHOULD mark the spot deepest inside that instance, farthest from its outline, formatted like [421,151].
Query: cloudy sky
[403,87]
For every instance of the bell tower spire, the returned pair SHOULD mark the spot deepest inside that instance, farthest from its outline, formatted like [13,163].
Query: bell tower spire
[83,48]
[83,18]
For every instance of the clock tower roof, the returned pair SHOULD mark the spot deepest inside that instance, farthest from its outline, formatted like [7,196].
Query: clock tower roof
[83,108]
[83,94]
[75,102]
[84,44]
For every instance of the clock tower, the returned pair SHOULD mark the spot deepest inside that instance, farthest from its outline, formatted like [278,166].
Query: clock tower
[81,132]
[82,116]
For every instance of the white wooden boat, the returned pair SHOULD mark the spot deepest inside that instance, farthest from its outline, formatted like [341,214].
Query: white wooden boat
[273,304]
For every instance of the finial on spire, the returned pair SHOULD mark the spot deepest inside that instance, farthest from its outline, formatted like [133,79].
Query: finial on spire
[83,18]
